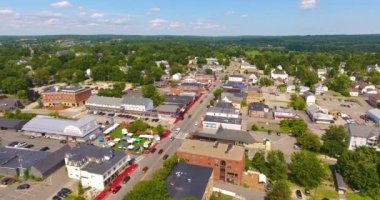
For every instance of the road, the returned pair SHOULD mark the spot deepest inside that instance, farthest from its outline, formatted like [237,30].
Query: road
[154,161]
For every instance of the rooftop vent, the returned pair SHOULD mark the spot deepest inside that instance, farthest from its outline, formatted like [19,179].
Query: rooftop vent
[229,148]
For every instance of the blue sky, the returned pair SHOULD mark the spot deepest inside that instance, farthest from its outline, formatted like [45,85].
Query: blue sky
[192,17]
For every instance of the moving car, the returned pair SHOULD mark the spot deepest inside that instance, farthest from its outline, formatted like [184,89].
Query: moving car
[299,194]
[116,189]
[165,157]
[153,150]
[126,179]
[160,151]
[57,198]
[44,148]
[23,186]
[145,169]
[171,138]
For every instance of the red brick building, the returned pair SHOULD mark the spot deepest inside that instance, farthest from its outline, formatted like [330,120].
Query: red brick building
[203,77]
[191,87]
[67,96]
[227,160]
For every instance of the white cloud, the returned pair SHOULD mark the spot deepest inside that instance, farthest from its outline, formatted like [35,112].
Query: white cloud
[121,21]
[47,13]
[175,25]
[229,13]
[155,9]
[308,4]
[52,21]
[6,12]
[244,16]
[200,24]
[97,15]
[61,4]
[158,22]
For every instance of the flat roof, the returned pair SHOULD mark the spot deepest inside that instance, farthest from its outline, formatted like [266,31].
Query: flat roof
[186,180]
[11,157]
[101,100]
[207,149]
[226,134]
[12,123]
[71,89]
[226,120]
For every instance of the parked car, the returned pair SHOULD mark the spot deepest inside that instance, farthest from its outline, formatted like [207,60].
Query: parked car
[23,186]
[126,179]
[296,147]
[14,143]
[29,146]
[7,181]
[44,148]
[307,192]
[62,194]
[171,138]
[57,198]
[299,194]
[66,190]
[21,144]
[116,189]
[153,150]
[160,151]
[145,169]
[165,157]
[63,141]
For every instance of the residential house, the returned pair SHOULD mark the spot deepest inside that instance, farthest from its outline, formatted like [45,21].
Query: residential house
[362,135]
[373,67]
[247,66]
[136,103]
[322,72]
[302,89]
[321,89]
[214,68]
[257,110]
[164,63]
[291,89]
[193,61]
[365,88]
[212,61]
[374,100]
[252,79]
[236,78]
[177,77]
[354,92]
[309,98]
[281,113]
[279,73]
[94,166]
[235,98]
[319,115]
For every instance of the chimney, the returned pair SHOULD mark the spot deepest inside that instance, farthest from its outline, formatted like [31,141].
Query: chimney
[216,143]
[229,148]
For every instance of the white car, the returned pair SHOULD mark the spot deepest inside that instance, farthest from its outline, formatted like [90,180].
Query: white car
[177,130]
[196,124]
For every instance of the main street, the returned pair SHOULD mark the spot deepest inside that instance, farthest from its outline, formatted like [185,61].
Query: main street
[154,161]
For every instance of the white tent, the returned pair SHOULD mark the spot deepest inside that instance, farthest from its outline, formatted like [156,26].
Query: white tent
[130,147]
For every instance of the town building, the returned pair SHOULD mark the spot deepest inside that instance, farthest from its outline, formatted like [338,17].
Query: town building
[319,115]
[252,79]
[81,130]
[236,78]
[227,160]
[354,92]
[374,115]
[234,87]
[14,161]
[136,103]
[13,124]
[259,110]
[168,111]
[302,89]
[375,67]
[279,73]
[65,96]
[254,95]
[202,77]
[7,104]
[191,87]
[235,98]
[181,100]
[281,113]
[309,98]
[362,135]
[223,109]
[321,89]
[247,66]
[105,104]
[214,122]
[374,100]
[226,136]
[187,180]
[214,68]
[94,166]
[177,77]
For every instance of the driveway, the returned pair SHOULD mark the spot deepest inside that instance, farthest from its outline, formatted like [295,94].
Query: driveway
[241,192]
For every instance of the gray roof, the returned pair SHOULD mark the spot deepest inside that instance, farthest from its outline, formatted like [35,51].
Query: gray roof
[375,112]
[257,106]
[225,120]
[86,151]
[100,100]
[179,100]
[9,103]
[362,131]
[234,97]
[136,99]
[167,108]
[223,107]
[50,125]
[339,181]
[186,180]
[278,71]
[12,123]
[9,157]
[71,89]
[225,134]
[45,165]
[307,93]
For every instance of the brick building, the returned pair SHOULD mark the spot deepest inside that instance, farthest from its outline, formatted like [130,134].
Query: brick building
[374,100]
[227,160]
[191,87]
[202,77]
[67,96]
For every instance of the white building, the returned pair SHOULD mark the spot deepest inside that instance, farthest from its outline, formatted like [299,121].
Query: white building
[321,89]
[302,89]
[291,89]
[284,113]
[136,103]
[362,135]
[322,72]
[367,89]
[246,66]
[374,115]
[309,98]
[100,103]
[163,62]
[223,109]
[252,79]
[373,67]
[212,61]
[235,78]
[319,115]
[353,92]
[278,73]
[177,77]
[94,166]
[212,122]
[193,61]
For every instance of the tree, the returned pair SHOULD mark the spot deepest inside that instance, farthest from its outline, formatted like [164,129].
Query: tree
[306,169]
[153,189]
[298,127]
[217,92]
[258,162]
[340,83]
[22,94]
[208,71]
[334,141]
[277,168]
[254,127]
[297,102]
[265,82]
[138,126]
[159,130]
[243,103]
[149,91]
[280,191]
[309,141]
[41,76]
[80,188]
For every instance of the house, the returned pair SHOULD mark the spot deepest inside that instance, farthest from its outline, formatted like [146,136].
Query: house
[322,72]
[79,130]
[374,115]
[374,100]
[252,79]
[67,95]
[164,63]
[309,98]
[362,135]
[168,111]
[94,166]
[104,104]
[257,110]
[354,92]
[247,66]
[136,103]
[193,61]
[353,78]
[302,89]
[62,53]
[13,124]
[223,109]
[177,77]
[235,98]
[373,67]
[191,87]
[227,160]
[365,88]
[214,68]
[341,186]
[319,115]
[202,77]
[254,95]
[278,73]
[291,89]
[283,113]
[7,104]
[214,122]
[234,87]
[187,180]
[212,61]
[235,78]
[321,89]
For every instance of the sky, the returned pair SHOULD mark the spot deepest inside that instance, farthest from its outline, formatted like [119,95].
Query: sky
[189,17]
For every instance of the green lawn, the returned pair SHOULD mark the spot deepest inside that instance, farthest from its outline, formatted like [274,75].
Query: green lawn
[354,196]
[220,196]
[321,193]
[117,132]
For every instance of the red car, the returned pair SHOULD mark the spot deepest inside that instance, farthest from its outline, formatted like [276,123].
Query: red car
[160,151]
[116,189]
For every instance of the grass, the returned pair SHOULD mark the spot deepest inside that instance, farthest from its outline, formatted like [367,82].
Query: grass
[252,53]
[321,193]
[220,196]
[335,93]
[117,132]
[354,196]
